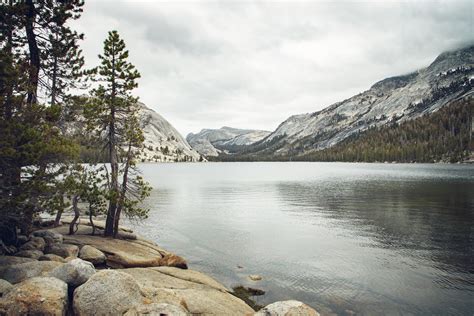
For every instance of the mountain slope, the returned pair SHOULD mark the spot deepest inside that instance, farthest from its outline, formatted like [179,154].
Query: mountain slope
[395,99]
[445,135]
[212,142]
[162,141]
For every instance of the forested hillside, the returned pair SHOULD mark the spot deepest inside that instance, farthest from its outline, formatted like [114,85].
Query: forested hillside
[444,135]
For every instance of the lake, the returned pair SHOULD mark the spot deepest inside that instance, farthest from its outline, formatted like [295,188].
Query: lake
[341,237]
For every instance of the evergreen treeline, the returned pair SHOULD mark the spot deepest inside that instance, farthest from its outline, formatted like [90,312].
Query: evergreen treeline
[444,135]
[40,164]
[441,136]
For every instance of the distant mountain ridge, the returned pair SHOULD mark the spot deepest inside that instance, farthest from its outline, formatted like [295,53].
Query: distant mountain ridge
[212,142]
[396,99]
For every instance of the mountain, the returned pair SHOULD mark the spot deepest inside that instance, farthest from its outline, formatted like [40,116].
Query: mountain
[393,100]
[212,142]
[162,141]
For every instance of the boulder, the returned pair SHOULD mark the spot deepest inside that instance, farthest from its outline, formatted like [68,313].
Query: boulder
[121,253]
[35,243]
[157,309]
[5,287]
[32,254]
[209,301]
[74,273]
[19,272]
[172,260]
[51,257]
[190,289]
[49,236]
[12,260]
[287,308]
[21,239]
[91,254]
[191,276]
[36,296]
[63,250]
[107,292]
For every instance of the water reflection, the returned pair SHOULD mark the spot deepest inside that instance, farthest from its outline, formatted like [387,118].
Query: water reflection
[374,239]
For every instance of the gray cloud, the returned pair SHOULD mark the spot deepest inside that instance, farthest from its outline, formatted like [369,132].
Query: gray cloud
[253,64]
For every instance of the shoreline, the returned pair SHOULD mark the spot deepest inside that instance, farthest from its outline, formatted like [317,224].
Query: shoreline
[82,274]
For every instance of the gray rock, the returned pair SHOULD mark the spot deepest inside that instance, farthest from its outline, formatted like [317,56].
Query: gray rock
[36,296]
[255,277]
[63,250]
[5,287]
[21,239]
[49,236]
[51,257]
[91,254]
[157,309]
[287,308]
[32,254]
[200,295]
[35,243]
[107,292]
[12,260]
[74,273]
[19,272]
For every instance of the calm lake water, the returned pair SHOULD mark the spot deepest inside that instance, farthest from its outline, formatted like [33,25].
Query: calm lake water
[364,238]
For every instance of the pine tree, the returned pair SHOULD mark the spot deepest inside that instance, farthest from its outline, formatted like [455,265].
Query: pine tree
[32,148]
[112,113]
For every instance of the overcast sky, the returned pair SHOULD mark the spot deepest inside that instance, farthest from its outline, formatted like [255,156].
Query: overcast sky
[252,64]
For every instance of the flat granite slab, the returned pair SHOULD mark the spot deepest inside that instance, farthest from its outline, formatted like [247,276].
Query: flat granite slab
[120,253]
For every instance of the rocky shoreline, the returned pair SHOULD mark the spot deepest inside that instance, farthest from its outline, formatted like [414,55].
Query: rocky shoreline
[52,273]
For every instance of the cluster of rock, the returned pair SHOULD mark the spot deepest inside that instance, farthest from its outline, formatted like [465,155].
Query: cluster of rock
[57,274]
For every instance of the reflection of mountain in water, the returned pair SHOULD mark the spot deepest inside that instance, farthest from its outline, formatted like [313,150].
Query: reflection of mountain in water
[419,218]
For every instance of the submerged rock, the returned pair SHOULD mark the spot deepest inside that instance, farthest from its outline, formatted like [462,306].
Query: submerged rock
[36,296]
[287,308]
[92,254]
[107,292]
[255,277]
[74,273]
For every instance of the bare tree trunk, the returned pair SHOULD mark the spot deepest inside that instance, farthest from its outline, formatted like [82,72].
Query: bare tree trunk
[57,220]
[121,199]
[34,53]
[91,221]
[75,200]
[110,220]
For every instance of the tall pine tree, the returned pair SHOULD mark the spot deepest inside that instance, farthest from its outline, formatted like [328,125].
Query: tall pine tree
[31,146]
[113,114]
